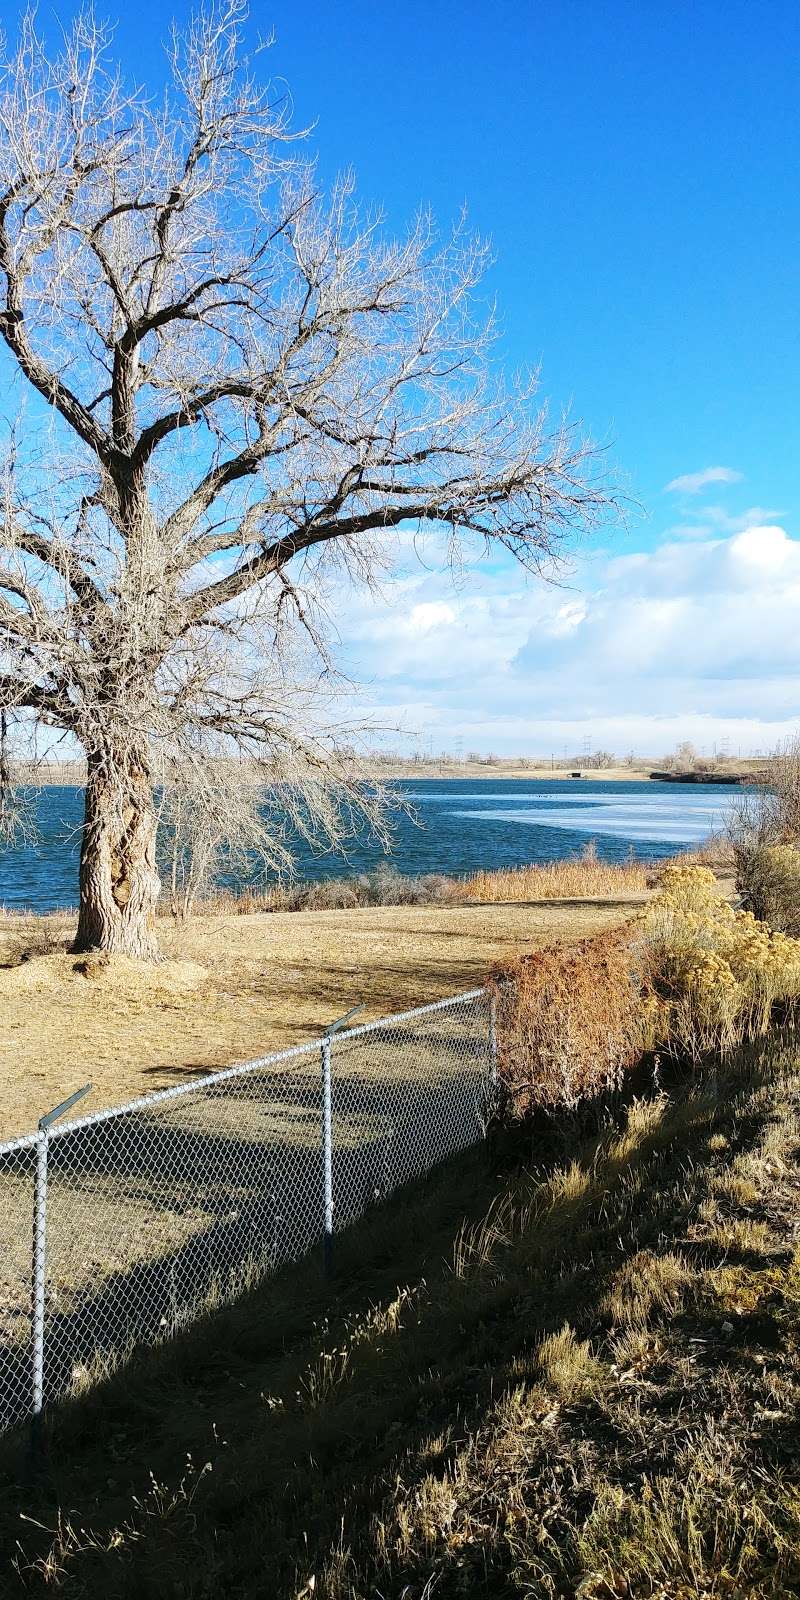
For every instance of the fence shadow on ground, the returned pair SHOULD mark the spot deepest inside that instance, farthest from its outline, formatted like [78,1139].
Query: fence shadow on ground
[283,1463]
[156,1214]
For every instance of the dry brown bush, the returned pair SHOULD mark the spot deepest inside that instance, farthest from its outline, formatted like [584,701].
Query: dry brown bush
[382,887]
[570,1022]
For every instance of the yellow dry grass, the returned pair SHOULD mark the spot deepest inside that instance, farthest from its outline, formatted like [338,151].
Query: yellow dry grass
[234,987]
[582,878]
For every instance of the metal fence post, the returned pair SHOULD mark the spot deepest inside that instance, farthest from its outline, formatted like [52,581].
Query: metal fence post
[327,1158]
[327,1137]
[493,1039]
[38,1281]
[39,1265]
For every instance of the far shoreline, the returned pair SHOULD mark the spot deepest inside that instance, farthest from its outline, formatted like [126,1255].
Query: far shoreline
[73,774]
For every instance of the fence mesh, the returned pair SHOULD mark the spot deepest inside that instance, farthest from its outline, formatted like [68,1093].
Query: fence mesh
[427,1100]
[173,1204]
[17,1169]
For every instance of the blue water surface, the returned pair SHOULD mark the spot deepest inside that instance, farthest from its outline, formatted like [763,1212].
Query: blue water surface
[458,825]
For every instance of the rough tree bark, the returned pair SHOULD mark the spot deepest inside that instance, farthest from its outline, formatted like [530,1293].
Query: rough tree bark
[119,882]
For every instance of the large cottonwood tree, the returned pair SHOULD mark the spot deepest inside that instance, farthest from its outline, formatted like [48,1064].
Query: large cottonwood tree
[241,395]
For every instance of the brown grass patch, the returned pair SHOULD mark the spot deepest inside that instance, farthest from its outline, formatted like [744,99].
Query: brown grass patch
[118,976]
[647,1287]
[270,981]
[567,1364]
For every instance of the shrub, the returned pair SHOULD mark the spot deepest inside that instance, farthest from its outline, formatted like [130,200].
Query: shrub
[693,977]
[769,883]
[570,1022]
[712,975]
[330,894]
[385,886]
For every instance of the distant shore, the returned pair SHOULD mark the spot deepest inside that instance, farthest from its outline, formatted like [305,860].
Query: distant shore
[751,776]
[73,773]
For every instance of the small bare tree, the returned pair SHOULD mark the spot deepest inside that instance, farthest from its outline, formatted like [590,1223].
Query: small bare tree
[242,397]
[685,757]
[210,818]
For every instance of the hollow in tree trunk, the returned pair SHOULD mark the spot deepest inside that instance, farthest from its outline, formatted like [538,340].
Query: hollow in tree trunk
[119,883]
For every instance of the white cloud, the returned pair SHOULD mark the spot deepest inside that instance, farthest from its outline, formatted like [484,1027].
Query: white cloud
[715,519]
[430,615]
[691,640]
[694,482]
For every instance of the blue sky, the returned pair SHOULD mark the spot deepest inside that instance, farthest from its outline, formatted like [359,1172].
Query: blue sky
[636,166]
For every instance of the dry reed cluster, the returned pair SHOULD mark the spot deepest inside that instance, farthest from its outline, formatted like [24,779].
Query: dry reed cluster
[579,878]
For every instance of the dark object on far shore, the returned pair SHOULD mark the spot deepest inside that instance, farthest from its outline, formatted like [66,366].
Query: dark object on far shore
[705,777]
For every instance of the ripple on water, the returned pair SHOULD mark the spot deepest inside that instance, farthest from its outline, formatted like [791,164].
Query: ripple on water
[462,828]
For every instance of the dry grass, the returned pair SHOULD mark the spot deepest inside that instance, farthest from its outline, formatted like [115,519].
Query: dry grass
[648,1284]
[581,878]
[234,987]
[605,1403]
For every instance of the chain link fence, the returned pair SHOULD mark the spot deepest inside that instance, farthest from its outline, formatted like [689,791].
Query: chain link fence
[120,1227]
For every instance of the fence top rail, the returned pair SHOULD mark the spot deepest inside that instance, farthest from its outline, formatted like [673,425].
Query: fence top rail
[241,1069]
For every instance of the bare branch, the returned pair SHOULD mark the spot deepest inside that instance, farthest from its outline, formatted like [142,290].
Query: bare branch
[244,381]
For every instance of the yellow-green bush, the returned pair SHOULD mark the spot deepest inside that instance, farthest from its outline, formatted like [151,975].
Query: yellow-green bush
[713,975]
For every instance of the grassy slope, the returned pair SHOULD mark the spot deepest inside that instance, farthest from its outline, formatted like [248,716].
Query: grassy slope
[235,987]
[587,1384]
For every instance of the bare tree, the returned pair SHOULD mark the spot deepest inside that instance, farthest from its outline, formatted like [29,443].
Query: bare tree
[241,398]
[685,757]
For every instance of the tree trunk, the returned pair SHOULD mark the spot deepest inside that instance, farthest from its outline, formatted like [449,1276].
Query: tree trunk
[119,882]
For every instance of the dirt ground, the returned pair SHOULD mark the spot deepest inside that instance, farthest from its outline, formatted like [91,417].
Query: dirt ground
[235,987]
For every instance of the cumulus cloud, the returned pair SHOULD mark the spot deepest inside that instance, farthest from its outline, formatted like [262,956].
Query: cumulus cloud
[694,482]
[693,639]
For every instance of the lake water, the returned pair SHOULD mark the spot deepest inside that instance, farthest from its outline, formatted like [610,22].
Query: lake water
[459,826]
